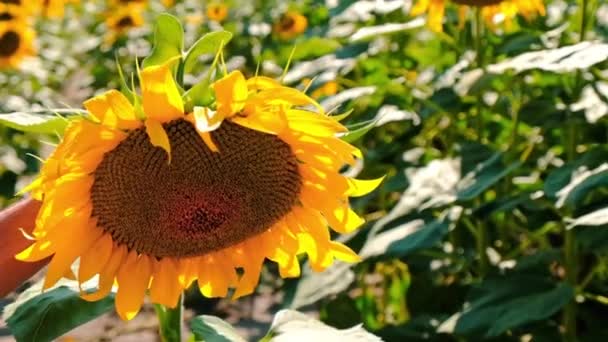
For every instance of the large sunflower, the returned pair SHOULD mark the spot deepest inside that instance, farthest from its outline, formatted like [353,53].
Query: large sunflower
[16,42]
[490,9]
[149,196]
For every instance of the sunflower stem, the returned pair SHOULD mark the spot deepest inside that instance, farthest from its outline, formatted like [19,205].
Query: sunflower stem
[482,234]
[570,246]
[170,321]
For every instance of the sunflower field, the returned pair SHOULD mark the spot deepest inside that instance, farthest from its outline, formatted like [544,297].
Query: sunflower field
[315,170]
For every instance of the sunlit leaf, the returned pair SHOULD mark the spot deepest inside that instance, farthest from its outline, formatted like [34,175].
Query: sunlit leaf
[209,43]
[168,40]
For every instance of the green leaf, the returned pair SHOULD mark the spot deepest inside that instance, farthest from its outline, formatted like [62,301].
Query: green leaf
[36,122]
[53,313]
[404,239]
[582,182]
[358,130]
[595,218]
[340,117]
[483,176]
[200,94]
[313,47]
[213,329]
[560,177]
[209,43]
[314,286]
[502,303]
[168,40]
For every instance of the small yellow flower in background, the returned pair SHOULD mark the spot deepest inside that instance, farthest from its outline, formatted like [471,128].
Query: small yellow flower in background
[217,12]
[12,12]
[291,25]
[123,18]
[509,9]
[157,203]
[16,43]
[327,89]
[168,3]
[55,8]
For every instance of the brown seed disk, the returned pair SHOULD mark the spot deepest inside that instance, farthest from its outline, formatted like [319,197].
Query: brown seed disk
[201,201]
[9,43]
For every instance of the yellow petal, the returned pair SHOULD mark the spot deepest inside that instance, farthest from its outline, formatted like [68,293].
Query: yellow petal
[158,136]
[250,259]
[435,15]
[133,278]
[420,7]
[94,260]
[65,257]
[113,109]
[160,95]
[360,187]
[313,123]
[261,82]
[230,93]
[271,122]
[165,288]
[343,219]
[343,253]
[215,275]
[106,276]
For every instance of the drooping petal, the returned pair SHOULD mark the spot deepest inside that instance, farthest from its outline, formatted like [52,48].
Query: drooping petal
[230,93]
[160,96]
[165,288]
[94,260]
[64,257]
[158,136]
[261,82]
[113,110]
[362,187]
[313,123]
[133,278]
[107,275]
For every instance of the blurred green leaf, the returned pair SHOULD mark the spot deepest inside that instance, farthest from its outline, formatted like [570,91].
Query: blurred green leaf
[314,47]
[483,177]
[404,239]
[502,303]
[35,122]
[168,40]
[213,329]
[314,286]
[209,43]
[358,130]
[51,314]
[560,177]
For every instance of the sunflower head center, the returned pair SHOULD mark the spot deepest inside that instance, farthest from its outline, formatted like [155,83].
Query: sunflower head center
[9,43]
[202,200]
[5,16]
[286,23]
[125,22]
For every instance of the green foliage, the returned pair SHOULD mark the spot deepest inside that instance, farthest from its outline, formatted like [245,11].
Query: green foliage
[168,40]
[44,317]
